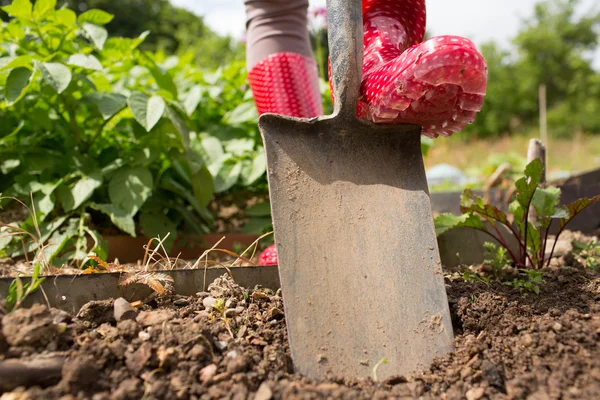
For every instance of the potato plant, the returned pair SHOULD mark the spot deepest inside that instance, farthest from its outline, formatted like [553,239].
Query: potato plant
[100,133]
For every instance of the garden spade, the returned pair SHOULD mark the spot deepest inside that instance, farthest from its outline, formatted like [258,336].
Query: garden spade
[360,270]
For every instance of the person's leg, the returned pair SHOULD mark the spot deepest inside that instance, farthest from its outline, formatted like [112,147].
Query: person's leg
[282,72]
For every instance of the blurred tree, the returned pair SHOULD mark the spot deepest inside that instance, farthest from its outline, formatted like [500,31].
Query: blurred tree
[173,29]
[555,47]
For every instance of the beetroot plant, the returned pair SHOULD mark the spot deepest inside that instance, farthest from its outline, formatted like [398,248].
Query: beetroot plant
[532,234]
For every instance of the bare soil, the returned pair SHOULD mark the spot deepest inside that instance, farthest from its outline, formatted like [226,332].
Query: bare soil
[508,346]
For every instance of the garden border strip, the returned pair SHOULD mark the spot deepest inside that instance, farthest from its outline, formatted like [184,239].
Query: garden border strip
[71,292]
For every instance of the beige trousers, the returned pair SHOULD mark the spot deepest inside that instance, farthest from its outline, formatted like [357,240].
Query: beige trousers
[276,26]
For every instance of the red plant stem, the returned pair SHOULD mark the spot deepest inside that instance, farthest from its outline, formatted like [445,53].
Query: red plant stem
[526,218]
[556,241]
[543,247]
[501,240]
[505,243]
[522,249]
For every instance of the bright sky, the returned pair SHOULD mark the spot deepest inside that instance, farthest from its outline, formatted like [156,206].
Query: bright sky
[479,20]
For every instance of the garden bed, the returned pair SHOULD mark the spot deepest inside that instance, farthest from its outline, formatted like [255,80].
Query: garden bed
[507,346]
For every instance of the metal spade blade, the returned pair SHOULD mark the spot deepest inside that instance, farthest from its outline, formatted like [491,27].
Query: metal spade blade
[358,257]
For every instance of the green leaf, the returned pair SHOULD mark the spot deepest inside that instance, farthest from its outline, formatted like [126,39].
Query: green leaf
[15,62]
[100,247]
[533,241]
[120,45]
[445,222]
[59,241]
[475,204]
[16,84]
[146,110]
[545,202]
[245,112]
[48,228]
[19,9]
[172,185]
[95,16]
[96,34]
[253,169]
[158,225]
[192,99]
[43,7]
[239,146]
[87,61]
[156,108]
[203,186]
[7,165]
[211,150]
[81,191]
[121,218]
[227,176]
[259,210]
[576,207]
[129,188]
[65,16]
[527,185]
[163,79]
[56,75]
[257,226]
[108,103]
[562,212]
[5,238]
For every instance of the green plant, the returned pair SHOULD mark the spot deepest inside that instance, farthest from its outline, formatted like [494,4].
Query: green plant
[496,257]
[588,254]
[103,134]
[260,219]
[18,291]
[470,276]
[532,237]
[529,282]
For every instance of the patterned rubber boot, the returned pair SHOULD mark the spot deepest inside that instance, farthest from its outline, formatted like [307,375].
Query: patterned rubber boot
[438,84]
[287,84]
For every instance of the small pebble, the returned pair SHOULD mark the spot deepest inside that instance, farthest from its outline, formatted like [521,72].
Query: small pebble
[232,354]
[466,372]
[527,340]
[264,392]
[475,394]
[556,327]
[209,302]
[221,345]
[181,302]
[201,315]
[231,312]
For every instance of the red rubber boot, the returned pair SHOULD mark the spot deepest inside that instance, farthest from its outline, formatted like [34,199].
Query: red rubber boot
[287,84]
[438,84]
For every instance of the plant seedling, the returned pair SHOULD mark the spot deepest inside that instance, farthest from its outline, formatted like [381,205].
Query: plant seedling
[588,254]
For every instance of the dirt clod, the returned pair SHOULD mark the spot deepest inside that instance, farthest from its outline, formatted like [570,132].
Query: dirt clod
[29,327]
[149,318]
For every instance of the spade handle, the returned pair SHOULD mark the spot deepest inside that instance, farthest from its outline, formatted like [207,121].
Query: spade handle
[345,35]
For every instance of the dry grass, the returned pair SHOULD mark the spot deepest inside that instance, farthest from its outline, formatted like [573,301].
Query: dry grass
[581,153]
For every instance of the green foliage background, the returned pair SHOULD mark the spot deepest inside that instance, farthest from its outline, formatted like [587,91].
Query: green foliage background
[556,48]
[174,30]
